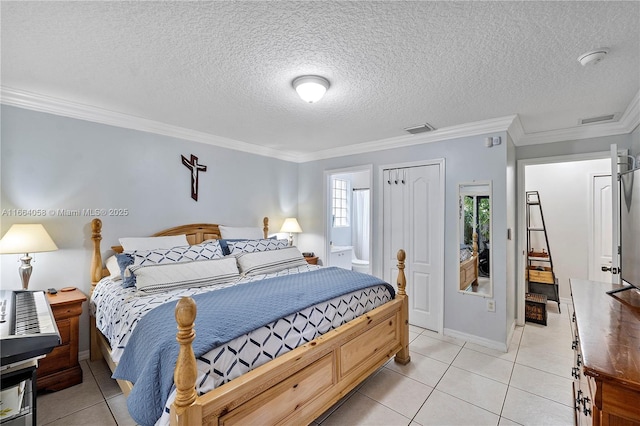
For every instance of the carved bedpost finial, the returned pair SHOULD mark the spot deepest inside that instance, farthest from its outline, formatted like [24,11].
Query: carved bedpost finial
[96,259]
[265,229]
[474,245]
[402,281]
[186,371]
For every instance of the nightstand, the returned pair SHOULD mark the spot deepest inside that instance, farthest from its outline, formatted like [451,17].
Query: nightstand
[311,260]
[60,368]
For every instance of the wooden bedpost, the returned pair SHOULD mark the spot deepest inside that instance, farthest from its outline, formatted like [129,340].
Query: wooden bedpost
[265,229]
[96,275]
[96,258]
[183,410]
[474,246]
[403,356]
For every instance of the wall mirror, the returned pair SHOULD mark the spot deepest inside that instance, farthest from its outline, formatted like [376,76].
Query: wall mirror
[474,238]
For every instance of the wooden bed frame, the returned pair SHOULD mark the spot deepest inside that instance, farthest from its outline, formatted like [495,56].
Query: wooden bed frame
[469,268]
[296,387]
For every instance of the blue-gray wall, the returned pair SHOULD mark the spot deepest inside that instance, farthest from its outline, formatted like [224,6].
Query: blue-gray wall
[51,162]
[466,159]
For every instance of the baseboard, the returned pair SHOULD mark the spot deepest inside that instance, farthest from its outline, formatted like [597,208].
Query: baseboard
[491,344]
[82,355]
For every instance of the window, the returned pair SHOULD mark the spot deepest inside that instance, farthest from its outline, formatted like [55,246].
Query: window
[340,205]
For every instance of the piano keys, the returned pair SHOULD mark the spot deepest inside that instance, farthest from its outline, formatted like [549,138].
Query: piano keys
[27,326]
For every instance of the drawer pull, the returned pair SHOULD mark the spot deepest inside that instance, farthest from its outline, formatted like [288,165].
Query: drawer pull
[579,360]
[573,317]
[574,344]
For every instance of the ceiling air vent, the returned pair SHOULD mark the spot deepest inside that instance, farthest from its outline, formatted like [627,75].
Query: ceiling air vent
[426,127]
[600,119]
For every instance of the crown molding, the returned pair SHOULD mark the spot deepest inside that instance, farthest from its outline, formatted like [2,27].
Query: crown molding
[56,106]
[629,120]
[468,129]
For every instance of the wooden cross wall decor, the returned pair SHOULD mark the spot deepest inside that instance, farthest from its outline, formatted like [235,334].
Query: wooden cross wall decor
[195,169]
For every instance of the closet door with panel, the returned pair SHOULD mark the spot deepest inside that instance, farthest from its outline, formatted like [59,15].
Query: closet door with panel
[412,212]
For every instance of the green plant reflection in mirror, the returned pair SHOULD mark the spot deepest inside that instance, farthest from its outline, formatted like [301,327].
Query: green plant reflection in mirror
[474,237]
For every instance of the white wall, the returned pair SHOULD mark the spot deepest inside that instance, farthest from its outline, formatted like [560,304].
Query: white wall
[564,193]
[512,282]
[51,162]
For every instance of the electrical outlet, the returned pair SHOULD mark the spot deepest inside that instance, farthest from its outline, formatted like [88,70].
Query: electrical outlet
[491,305]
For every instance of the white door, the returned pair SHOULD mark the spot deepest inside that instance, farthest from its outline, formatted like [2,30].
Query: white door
[602,227]
[413,211]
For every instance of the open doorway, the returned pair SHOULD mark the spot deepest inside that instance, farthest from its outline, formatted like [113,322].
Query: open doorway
[566,188]
[348,218]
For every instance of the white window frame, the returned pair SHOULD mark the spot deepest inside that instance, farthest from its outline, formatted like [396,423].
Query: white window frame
[340,203]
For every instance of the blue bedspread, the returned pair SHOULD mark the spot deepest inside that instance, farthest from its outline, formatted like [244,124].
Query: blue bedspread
[150,356]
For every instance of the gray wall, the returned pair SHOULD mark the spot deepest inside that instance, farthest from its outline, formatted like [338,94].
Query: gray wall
[466,159]
[51,162]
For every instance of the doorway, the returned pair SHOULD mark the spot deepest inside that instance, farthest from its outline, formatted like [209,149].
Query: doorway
[348,218]
[565,184]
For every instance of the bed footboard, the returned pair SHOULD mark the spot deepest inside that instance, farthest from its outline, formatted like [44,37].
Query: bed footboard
[302,384]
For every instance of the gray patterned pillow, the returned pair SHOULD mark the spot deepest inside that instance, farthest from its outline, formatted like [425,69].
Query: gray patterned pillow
[204,251]
[251,246]
[266,262]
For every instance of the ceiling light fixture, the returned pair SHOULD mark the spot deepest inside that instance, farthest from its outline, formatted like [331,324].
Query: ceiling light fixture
[593,57]
[311,88]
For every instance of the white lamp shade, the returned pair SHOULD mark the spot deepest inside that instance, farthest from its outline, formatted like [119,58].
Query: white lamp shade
[311,88]
[26,238]
[290,225]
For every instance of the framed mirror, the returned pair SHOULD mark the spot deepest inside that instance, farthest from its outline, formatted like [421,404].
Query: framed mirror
[474,238]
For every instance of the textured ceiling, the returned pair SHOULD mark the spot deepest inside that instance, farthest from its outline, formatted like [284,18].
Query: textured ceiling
[225,68]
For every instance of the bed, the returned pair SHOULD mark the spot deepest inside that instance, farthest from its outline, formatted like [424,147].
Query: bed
[294,387]
[469,265]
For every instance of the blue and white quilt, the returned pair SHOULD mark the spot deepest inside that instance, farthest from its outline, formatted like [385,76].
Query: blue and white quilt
[240,355]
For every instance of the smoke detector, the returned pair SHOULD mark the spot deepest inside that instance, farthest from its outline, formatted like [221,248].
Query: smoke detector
[593,57]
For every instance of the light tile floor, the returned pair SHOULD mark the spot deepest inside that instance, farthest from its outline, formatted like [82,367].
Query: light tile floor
[447,382]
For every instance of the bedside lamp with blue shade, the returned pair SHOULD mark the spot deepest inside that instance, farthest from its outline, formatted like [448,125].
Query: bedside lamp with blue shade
[291,226]
[26,238]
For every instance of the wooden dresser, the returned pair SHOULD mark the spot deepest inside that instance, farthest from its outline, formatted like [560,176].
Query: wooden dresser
[60,368]
[607,346]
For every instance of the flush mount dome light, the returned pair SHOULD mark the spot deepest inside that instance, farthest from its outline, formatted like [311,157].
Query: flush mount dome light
[311,88]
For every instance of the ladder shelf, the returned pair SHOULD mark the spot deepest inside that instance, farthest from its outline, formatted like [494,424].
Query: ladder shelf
[540,276]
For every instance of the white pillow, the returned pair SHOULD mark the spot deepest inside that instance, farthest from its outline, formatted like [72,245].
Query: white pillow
[152,243]
[266,262]
[169,276]
[235,233]
[114,268]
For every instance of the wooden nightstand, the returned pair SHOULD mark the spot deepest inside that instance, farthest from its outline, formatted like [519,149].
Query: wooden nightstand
[312,260]
[60,368]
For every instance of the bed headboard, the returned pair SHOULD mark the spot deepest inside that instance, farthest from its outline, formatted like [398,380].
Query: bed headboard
[195,232]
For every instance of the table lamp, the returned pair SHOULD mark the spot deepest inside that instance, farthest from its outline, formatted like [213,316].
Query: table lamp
[26,238]
[291,225]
